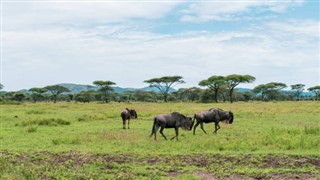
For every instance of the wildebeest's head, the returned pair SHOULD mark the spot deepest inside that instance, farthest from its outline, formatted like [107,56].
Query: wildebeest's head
[230,117]
[187,123]
[133,113]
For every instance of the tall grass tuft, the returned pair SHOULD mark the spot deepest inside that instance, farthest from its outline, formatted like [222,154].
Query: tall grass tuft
[31,129]
[35,112]
[46,122]
[312,130]
[67,141]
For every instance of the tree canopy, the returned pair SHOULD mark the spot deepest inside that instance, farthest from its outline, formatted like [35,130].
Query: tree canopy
[165,83]
[234,80]
[55,90]
[104,87]
[38,90]
[270,90]
[214,83]
[315,90]
[37,93]
[298,88]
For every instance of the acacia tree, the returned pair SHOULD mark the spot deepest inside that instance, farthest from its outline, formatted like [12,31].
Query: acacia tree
[274,88]
[189,94]
[315,90]
[164,84]
[129,95]
[194,93]
[214,83]
[234,80]
[84,96]
[55,90]
[141,95]
[1,86]
[298,88]
[181,94]
[260,89]
[104,87]
[19,96]
[270,90]
[37,93]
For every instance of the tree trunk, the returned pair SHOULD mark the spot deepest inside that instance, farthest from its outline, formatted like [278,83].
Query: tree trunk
[216,96]
[165,96]
[54,98]
[230,94]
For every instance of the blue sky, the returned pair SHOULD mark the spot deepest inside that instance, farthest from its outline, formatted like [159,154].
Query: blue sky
[127,42]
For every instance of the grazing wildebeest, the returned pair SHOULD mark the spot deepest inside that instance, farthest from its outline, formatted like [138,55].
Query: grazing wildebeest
[126,115]
[173,120]
[212,115]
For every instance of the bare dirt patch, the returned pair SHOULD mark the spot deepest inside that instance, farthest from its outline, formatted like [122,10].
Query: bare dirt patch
[204,166]
[204,175]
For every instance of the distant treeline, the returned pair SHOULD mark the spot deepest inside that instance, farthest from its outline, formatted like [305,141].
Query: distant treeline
[218,89]
[184,94]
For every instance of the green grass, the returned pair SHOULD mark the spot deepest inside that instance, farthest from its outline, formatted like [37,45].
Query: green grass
[260,130]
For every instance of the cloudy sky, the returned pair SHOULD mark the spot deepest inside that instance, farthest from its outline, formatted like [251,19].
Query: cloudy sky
[127,42]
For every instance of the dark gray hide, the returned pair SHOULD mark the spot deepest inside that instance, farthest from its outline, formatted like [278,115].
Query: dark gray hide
[173,120]
[212,115]
[127,114]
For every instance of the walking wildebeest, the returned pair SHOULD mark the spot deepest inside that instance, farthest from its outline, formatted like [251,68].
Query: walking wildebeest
[173,120]
[212,115]
[126,115]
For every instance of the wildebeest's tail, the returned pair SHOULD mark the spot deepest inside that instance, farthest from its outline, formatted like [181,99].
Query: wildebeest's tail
[153,127]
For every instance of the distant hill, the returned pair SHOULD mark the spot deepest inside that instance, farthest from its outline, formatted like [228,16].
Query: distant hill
[243,89]
[76,88]
[285,91]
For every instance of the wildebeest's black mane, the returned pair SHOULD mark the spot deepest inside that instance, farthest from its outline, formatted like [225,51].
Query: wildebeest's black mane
[178,114]
[215,108]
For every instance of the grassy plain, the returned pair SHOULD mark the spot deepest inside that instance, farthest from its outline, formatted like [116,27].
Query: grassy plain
[74,140]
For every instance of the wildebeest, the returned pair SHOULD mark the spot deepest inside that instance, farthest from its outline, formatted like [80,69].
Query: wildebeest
[173,120]
[127,114]
[212,115]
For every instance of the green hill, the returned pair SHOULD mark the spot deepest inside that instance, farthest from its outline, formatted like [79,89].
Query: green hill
[76,88]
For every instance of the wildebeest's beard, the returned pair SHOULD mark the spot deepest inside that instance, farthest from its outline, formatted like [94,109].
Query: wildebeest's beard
[185,127]
[133,113]
[188,124]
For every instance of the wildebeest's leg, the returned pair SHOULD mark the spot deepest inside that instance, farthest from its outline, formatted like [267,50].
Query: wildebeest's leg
[129,123]
[124,124]
[177,134]
[201,125]
[162,133]
[156,127]
[217,127]
[195,126]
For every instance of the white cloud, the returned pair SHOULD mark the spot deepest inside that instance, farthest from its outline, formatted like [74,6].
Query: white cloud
[72,42]
[230,10]
[129,57]
[73,13]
